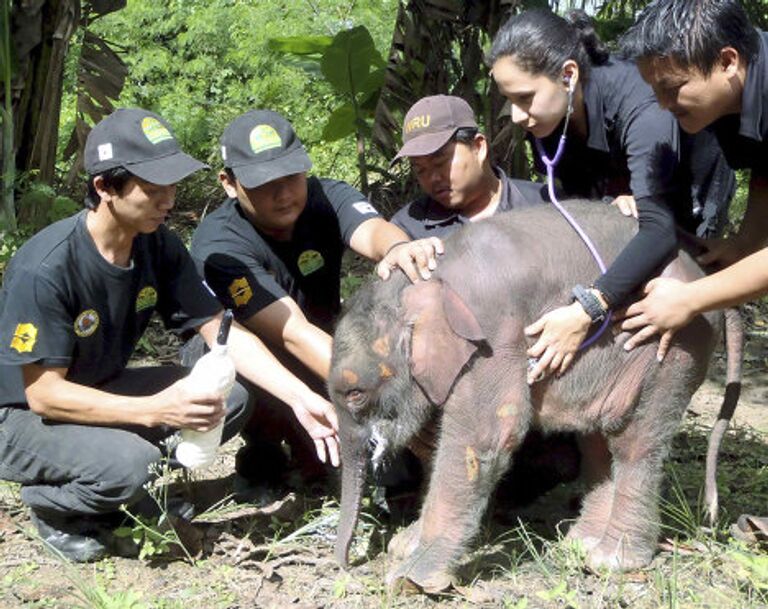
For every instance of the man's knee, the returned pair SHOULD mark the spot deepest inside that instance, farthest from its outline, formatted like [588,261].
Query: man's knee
[123,478]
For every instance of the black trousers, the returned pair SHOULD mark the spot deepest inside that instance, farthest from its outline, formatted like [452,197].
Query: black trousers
[69,469]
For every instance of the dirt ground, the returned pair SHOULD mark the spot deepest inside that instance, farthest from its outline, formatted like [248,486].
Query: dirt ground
[282,556]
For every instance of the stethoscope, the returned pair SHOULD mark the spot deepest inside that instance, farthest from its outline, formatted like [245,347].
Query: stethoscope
[550,164]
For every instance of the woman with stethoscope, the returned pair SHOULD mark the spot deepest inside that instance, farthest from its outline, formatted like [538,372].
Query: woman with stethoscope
[560,82]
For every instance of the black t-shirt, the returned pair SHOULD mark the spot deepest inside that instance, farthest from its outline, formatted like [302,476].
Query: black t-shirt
[744,137]
[425,217]
[249,270]
[635,147]
[632,145]
[63,305]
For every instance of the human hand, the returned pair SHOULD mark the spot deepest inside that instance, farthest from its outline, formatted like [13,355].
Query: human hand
[562,331]
[665,309]
[626,205]
[415,258]
[184,407]
[317,416]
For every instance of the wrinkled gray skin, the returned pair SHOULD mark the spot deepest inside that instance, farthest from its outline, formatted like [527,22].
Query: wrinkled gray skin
[454,347]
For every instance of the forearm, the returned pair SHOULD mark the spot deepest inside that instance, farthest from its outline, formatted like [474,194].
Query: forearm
[284,325]
[257,364]
[737,284]
[646,251]
[310,345]
[375,237]
[58,399]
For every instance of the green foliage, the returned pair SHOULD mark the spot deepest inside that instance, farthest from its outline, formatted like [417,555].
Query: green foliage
[201,63]
[355,69]
[149,536]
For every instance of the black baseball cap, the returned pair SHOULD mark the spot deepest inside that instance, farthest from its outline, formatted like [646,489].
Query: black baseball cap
[431,122]
[261,146]
[141,142]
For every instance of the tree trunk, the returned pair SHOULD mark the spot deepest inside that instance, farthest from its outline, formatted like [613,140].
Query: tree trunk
[43,30]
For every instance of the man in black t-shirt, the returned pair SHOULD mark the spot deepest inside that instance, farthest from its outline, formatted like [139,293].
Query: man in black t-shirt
[709,66]
[272,252]
[78,430]
[451,161]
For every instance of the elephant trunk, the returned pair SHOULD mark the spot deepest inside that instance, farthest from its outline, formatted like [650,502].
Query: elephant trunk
[354,453]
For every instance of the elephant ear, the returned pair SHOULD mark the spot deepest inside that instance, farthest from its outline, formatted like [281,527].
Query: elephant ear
[445,335]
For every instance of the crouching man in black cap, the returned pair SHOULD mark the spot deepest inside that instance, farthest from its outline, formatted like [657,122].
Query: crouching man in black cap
[272,252]
[78,430]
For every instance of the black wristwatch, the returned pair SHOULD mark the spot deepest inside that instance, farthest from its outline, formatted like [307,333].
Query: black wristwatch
[590,303]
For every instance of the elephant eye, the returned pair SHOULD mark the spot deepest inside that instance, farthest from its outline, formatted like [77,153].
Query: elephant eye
[356,397]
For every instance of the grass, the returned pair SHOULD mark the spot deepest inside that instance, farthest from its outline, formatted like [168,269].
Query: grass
[525,565]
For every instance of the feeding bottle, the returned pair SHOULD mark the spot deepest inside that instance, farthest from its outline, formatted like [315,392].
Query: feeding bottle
[213,373]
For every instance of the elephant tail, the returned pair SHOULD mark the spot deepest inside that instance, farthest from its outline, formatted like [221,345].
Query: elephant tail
[734,344]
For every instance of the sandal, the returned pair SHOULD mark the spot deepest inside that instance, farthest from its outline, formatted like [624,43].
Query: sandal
[752,530]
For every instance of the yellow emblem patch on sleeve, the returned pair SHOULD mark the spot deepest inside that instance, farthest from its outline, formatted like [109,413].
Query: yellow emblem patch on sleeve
[240,291]
[24,338]
[309,261]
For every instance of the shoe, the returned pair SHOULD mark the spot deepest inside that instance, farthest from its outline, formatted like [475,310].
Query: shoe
[77,540]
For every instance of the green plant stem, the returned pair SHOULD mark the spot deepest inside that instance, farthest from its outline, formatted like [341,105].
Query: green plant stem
[362,164]
[8,219]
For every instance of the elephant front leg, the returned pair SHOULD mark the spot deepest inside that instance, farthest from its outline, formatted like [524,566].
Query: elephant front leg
[470,459]
[457,497]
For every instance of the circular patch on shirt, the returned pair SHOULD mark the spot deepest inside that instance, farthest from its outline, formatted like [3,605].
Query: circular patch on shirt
[146,298]
[155,131]
[309,261]
[86,323]
[264,137]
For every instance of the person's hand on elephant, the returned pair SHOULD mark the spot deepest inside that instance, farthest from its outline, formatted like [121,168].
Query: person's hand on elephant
[665,309]
[560,333]
[416,258]
[626,205]
[317,416]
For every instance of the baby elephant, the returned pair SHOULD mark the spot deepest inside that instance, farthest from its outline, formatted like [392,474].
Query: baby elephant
[453,349]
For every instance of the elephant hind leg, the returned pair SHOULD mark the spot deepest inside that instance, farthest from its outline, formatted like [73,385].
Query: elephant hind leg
[619,525]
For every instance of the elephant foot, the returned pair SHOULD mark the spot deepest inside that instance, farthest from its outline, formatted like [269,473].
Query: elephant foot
[402,545]
[422,572]
[583,534]
[619,554]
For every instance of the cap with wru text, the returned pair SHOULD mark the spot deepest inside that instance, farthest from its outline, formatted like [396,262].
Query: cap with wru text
[141,142]
[431,122]
[261,146]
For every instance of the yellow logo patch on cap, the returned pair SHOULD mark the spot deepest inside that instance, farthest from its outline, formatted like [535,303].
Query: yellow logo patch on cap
[418,122]
[264,137]
[146,299]
[86,323]
[309,261]
[24,338]
[155,131]
[240,291]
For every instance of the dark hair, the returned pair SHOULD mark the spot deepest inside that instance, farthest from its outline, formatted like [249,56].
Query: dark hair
[464,135]
[116,178]
[230,174]
[692,32]
[542,42]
